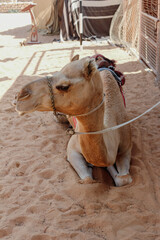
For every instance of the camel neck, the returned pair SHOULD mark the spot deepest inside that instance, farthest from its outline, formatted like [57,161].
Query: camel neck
[93,146]
[93,119]
[93,110]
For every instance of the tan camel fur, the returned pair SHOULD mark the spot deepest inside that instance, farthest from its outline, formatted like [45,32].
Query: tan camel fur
[79,88]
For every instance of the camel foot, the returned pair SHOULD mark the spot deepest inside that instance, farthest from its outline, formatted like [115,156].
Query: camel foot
[87,180]
[123,180]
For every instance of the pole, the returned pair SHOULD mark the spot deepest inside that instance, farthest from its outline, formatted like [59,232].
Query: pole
[80,21]
[158,47]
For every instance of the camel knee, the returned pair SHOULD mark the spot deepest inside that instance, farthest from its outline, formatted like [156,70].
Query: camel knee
[80,165]
[119,179]
[123,180]
[123,163]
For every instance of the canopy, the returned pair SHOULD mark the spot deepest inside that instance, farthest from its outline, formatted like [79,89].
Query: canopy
[97,16]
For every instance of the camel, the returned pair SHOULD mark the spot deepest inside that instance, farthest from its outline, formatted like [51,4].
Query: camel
[94,98]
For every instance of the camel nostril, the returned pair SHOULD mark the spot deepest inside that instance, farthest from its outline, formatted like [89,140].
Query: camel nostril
[14,102]
[16,96]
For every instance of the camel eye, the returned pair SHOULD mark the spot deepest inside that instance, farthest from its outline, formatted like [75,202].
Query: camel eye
[63,87]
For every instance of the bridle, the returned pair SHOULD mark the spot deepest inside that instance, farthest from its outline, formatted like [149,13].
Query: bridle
[49,82]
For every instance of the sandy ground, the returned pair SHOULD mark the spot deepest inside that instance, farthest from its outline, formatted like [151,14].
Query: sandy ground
[40,196]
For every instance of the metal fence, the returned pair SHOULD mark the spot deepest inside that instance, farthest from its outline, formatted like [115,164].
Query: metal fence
[136,25]
[149,47]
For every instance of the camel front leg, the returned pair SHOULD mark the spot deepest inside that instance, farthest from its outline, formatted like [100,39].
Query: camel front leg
[119,179]
[121,176]
[80,165]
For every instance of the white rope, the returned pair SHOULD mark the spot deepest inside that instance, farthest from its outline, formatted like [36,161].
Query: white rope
[120,125]
[92,111]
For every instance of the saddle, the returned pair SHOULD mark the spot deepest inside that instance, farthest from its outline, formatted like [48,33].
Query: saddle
[104,63]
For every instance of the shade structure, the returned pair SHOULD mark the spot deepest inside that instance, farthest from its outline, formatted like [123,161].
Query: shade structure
[97,16]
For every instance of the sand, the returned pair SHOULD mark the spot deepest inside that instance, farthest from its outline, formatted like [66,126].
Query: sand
[40,194]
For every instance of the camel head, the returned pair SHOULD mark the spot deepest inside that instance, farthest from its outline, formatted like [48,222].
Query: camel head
[75,89]
[33,97]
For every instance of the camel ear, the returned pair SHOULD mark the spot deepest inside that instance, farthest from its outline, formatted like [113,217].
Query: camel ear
[76,57]
[24,94]
[89,68]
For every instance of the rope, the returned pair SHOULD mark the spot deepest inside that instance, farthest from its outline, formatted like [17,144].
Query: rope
[49,82]
[93,110]
[72,132]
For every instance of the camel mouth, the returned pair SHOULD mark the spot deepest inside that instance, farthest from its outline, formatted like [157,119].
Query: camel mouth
[21,113]
[14,104]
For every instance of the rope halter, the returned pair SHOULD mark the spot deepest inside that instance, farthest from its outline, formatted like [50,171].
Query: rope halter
[49,82]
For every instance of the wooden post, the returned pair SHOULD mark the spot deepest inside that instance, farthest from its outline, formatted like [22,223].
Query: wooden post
[34,31]
[80,21]
[124,21]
